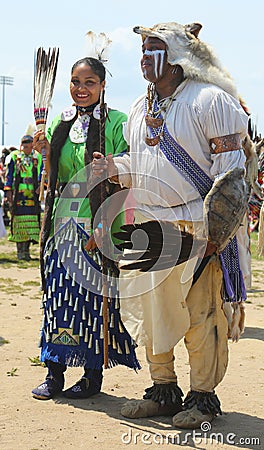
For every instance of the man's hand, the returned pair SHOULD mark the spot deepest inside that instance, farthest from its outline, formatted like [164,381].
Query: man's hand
[101,164]
[210,249]
[95,240]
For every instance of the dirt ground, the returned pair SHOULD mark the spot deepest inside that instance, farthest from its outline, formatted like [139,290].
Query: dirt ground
[96,423]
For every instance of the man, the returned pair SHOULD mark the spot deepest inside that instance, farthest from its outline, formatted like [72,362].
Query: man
[22,186]
[185,134]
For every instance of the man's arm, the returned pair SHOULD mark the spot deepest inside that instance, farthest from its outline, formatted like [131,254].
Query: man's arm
[101,164]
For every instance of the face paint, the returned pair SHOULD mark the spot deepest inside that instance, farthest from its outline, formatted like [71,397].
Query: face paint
[158,56]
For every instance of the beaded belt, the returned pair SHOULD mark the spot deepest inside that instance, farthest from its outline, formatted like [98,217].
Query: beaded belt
[25,203]
[26,180]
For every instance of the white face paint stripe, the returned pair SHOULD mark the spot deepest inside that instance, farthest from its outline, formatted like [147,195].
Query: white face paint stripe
[158,56]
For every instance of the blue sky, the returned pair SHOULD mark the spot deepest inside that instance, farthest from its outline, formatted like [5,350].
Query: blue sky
[233,29]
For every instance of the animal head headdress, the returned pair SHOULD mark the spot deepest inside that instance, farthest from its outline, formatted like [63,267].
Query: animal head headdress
[185,49]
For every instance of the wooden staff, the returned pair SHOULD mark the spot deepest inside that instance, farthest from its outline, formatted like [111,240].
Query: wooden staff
[105,287]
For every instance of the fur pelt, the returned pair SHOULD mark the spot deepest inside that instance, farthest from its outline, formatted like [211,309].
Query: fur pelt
[249,147]
[261,232]
[185,49]
[260,146]
[251,165]
[235,314]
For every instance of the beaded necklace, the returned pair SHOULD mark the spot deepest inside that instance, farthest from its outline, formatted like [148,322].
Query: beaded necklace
[152,120]
[86,109]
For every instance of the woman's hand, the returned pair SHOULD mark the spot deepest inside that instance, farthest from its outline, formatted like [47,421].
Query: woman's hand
[40,143]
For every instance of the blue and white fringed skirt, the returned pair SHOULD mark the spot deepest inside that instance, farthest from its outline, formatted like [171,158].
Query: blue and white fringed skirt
[72,331]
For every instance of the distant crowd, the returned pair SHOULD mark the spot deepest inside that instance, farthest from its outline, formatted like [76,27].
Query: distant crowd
[3,165]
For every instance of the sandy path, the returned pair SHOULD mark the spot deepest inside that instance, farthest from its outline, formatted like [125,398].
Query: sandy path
[96,423]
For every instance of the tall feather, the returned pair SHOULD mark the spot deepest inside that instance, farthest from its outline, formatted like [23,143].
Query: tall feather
[30,129]
[45,70]
[97,46]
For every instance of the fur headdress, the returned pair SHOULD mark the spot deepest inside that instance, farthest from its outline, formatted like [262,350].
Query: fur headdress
[195,57]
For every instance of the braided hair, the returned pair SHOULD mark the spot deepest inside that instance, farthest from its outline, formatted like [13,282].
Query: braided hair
[58,139]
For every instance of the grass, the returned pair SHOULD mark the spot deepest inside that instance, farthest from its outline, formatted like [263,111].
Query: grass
[36,361]
[254,246]
[258,275]
[6,280]
[12,372]
[9,286]
[13,289]
[31,283]
[8,258]
[254,294]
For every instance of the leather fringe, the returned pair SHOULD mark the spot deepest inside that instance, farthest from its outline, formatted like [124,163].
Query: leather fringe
[206,402]
[165,394]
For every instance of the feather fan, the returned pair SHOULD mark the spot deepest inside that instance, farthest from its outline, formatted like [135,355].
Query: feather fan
[155,246]
[44,79]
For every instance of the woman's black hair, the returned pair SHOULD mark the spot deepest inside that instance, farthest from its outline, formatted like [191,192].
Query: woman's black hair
[96,66]
[58,139]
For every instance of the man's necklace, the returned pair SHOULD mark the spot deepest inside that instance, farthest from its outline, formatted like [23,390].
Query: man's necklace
[151,118]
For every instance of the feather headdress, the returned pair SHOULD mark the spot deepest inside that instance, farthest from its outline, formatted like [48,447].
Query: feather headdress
[97,46]
[29,133]
[30,129]
[44,79]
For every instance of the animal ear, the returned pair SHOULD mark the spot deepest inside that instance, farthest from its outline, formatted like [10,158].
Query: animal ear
[193,28]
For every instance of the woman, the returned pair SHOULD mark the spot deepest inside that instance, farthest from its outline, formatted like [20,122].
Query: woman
[2,224]
[22,186]
[72,333]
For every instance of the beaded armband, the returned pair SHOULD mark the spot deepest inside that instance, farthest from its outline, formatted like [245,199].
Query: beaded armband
[224,144]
